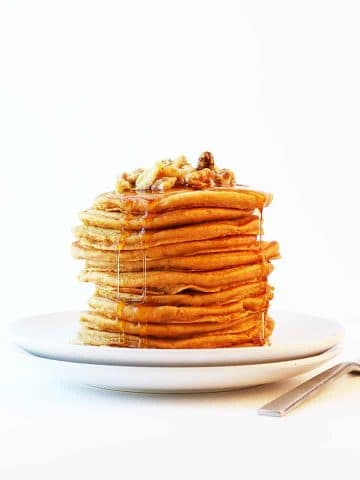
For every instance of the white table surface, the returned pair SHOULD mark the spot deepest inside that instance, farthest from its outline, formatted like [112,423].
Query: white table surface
[55,430]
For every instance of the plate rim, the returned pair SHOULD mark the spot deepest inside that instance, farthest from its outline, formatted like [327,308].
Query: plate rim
[326,354]
[147,355]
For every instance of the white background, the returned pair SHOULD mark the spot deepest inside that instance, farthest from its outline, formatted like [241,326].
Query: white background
[89,89]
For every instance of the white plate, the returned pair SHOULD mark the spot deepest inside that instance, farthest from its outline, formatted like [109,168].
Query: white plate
[296,336]
[181,379]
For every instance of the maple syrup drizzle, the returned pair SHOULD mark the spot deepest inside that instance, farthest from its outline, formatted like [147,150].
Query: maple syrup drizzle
[263,263]
[142,328]
[121,240]
[260,227]
[120,303]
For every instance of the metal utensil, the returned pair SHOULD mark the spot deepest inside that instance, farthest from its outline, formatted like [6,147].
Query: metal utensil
[290,400]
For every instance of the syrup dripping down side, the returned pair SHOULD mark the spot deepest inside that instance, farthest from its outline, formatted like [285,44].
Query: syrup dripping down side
[263,264]
[123,234]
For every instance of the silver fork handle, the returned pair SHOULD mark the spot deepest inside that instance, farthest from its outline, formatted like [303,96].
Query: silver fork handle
[290,400]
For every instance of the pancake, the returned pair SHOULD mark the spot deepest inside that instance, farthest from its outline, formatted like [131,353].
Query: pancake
[96,321]
[211,340]
[174,282]
[212,261]
[222,244]
[175,218]
[104,238]
[239,197]
[174,314]
[222,297]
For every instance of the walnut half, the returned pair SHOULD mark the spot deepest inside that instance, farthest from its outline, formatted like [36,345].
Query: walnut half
[206,160]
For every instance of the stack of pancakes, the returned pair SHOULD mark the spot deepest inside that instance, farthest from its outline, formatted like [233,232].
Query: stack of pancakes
[183,268]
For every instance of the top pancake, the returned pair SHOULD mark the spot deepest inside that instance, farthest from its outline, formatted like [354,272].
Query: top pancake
[238,197]
[157,221]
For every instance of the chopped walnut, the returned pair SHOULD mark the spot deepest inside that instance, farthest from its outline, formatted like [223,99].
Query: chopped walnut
[206,160]
[126,181]
[148,177]
[200,178]
[183,172]
[180,161]
[133,176]
[164,183]
[122,185]
[167,173]
[224,178]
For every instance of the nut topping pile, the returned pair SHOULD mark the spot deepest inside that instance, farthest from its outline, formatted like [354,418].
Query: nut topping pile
[167,174]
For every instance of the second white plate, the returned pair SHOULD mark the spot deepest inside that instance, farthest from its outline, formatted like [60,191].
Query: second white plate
[296,336]
[181,379]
